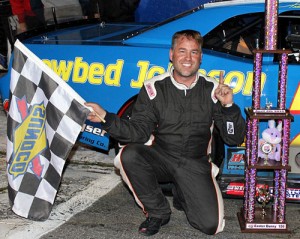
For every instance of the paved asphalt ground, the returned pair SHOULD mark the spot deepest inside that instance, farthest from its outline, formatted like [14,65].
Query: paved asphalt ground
[92,202]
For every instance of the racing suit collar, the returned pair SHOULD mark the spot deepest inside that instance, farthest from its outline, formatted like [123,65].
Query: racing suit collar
[179,85]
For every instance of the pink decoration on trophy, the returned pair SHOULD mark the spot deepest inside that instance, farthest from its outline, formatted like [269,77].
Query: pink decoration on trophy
[282,195]
[257,80]
[282,81]
[286,141]
[271,10]
[254,132]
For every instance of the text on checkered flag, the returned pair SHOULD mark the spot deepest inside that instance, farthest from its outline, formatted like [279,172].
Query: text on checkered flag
[44,120]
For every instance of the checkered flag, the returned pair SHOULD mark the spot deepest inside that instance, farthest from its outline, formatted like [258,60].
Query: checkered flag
[44,120]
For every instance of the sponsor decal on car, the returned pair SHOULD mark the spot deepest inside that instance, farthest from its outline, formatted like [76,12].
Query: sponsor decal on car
[237,189]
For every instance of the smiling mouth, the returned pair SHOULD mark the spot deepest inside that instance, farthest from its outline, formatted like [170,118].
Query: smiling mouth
[187,64]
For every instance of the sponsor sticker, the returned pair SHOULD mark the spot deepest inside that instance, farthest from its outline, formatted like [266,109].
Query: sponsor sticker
[230,128]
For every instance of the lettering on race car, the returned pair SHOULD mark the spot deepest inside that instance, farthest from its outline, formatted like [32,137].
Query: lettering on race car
[91,129]
[97,73]
[145,73]
[90,135]
[235,188]
[293,193]
[91,141]
[83,72]
[237,80]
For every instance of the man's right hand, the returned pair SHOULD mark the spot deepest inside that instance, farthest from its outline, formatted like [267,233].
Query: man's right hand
[97,114]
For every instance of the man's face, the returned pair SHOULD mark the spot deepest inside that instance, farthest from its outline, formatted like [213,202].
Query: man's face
[186,57]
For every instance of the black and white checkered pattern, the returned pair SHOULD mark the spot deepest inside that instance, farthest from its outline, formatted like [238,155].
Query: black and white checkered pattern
[32,195]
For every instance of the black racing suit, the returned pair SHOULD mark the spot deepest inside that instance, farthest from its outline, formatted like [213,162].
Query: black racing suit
[181,120]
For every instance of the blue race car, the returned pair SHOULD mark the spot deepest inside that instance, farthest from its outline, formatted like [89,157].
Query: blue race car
[108,63]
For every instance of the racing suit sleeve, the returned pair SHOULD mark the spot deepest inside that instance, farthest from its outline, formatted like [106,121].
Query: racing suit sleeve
[140,126]
[230,123]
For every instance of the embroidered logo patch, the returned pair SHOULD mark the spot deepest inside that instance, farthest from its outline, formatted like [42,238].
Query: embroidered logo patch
[230,128]
[150,90]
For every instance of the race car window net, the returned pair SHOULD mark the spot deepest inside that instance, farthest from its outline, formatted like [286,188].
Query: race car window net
[242,34]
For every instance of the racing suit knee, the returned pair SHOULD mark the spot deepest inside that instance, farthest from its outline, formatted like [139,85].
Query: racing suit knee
[200,196]
[141,168]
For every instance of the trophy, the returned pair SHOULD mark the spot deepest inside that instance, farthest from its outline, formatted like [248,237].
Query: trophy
[272,220]
[263,197]
[269,104]
[269,108]
[266,148]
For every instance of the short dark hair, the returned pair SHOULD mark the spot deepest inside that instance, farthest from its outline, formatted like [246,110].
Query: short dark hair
[190,34]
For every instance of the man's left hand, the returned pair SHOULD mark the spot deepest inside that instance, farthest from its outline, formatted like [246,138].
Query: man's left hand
[223,92]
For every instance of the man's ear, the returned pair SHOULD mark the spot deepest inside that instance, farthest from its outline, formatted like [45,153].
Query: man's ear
[171,55]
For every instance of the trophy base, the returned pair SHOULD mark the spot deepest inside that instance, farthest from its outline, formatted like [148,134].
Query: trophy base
[261,224]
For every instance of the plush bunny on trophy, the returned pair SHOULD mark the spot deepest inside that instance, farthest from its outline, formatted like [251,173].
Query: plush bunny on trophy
[269,145]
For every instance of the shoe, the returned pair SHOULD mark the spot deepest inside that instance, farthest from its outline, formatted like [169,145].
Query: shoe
[152,225]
